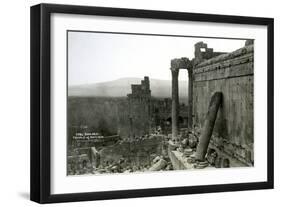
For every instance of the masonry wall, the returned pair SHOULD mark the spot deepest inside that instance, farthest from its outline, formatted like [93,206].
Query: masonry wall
[139,152]
[139,109]
[232,74]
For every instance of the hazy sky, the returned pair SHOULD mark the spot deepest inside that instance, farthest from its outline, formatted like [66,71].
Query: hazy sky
[99,57]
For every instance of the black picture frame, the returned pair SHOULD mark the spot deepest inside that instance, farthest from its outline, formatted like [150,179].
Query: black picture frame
[41,99]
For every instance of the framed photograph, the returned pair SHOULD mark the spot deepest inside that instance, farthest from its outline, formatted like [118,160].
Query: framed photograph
[132,103]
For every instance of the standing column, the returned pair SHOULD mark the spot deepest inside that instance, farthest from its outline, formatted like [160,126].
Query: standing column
[175,102]
[190,98]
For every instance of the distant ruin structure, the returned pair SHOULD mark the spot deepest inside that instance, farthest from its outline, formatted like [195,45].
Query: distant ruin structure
[139,108]
[146,113]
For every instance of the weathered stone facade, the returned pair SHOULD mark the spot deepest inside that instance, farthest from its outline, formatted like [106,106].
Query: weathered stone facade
[139,109]
[230,74]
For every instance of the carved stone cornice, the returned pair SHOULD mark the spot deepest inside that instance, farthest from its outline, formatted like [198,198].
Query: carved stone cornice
[180,63]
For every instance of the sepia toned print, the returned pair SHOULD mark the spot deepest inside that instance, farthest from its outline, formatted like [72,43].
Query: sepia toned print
[130,109]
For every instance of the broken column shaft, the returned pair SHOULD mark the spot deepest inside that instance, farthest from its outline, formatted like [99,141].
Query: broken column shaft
[175,103]
[208,127]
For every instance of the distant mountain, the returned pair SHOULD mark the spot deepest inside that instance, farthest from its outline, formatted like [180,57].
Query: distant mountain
[122,87]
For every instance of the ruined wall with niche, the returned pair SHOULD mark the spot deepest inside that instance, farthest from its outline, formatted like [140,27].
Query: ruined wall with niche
[232,74]
[202,52]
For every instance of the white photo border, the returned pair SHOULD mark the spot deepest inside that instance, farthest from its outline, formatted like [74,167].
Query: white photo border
[61,184]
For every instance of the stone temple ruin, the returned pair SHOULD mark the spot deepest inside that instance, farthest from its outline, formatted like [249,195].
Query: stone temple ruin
[220,108]
[148,114]
[215,128]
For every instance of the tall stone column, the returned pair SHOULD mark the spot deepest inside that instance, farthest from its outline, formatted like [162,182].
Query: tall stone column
[175,102]
[208,127]
[190,98]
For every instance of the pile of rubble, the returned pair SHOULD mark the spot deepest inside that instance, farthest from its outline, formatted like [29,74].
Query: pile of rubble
[159,163]
[186,146]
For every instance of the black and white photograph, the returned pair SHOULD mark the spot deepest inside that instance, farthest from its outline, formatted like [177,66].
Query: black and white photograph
[141,103]
[131,103]
[123,103]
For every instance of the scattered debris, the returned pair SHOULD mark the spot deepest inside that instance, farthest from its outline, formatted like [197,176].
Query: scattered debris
[159,165]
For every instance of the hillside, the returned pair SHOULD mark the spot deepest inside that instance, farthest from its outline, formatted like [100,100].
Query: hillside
[122,87]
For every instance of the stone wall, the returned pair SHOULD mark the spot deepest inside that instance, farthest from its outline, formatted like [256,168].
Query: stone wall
[139,109]
[138,152]
[145,114]
[231,74]
[178,161]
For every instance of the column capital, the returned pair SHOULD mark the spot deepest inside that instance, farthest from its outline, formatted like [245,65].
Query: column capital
[183,63]
[175,71]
